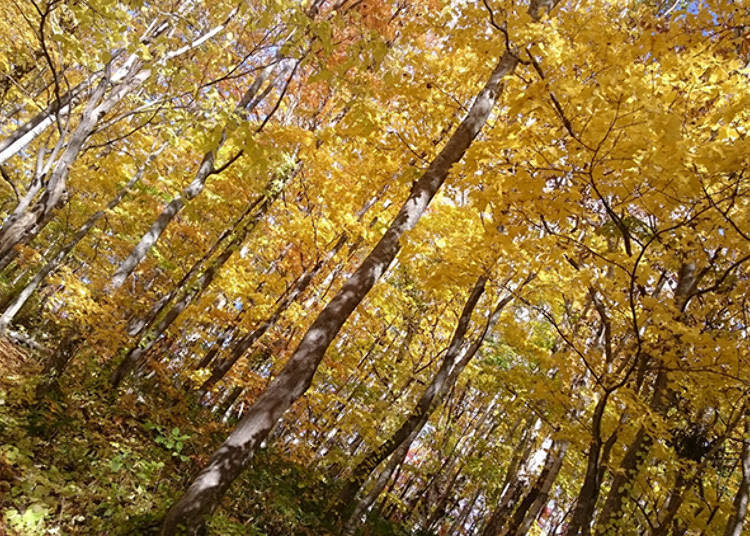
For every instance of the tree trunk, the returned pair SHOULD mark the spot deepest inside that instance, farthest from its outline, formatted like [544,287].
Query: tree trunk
[460,521]
[245,343]
[442,503]
[234,455]
[53,264]
[629,467]
[205,170]
[737,519]
[583,513]
[456,358]
[190,290]
[23,227]
[541,490]
[427,402]
[35,126]
[501,514]
[223,406]
[364,504]
[136,326]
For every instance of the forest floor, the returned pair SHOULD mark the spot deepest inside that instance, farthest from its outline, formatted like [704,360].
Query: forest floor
[86,462]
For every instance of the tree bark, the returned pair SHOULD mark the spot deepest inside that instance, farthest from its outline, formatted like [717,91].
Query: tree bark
[53,264]
[192,190]
[364,504]
[544,484]
[583,513]
[24,226]
[121,81]
[137,325]
[500,515]
[530,506]
[203,494]
[737,520]
[243,344]
[189,291]
[427,402]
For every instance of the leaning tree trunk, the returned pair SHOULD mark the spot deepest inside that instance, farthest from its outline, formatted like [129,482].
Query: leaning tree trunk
[502,512]
[32,128]
[442,503]
[66,102]
[56,261]
[189,292]
[458,355]
[429,399]
[192,190]
[245,343]
[364,504]
[234,455]
[24,226]
[138,324]
[459,523]
[541,493]
[108,90]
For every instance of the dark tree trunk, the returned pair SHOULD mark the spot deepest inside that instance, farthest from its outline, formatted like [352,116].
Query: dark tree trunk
[427,402]
[49,386]
[583,513]
[737,519]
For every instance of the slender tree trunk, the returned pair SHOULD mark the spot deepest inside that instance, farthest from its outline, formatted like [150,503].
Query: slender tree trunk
[57,260]
[122,81]
[189,293]
[245,343]
[517,482]
[137,325]
[209,356]
[460,521]
[234,455]
[736,521]
[441,505]
[24,227]
[205,170]
[444,502]
[501,514]
[526,512]
[667,514]
[456,358]
[440,508]
[364,504]
[541,490]
[229,401]
[427,402]
[638,449]
[35,126]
